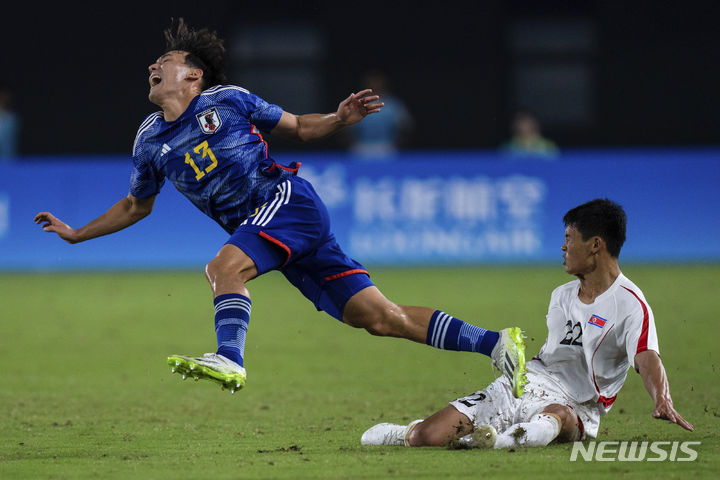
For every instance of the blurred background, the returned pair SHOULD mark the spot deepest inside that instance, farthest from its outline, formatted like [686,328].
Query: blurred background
[529,107]
[597,73]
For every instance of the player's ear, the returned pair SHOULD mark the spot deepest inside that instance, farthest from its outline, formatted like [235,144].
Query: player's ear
[195,73]
[597,244]
[195,78]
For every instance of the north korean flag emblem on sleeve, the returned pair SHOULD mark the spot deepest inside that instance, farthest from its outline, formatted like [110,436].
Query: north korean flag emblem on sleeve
[209,120]
[597,321]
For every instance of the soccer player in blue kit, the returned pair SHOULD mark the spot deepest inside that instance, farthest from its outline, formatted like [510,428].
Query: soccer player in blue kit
[207,140]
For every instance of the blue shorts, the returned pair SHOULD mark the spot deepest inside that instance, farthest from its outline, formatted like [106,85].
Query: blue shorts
[291,233]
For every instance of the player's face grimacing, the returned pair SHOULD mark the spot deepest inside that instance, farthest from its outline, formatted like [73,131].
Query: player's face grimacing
[579,254]
[168,75]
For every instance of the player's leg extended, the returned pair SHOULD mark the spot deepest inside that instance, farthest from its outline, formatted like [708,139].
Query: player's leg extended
[228,274]
[369,309]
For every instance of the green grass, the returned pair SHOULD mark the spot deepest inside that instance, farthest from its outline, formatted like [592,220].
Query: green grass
[85,391]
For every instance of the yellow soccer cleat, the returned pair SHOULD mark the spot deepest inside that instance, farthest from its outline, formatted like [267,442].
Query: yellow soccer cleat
[508,356]
[210,366]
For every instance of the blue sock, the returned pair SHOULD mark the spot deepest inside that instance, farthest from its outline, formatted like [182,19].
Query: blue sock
[232,316]
[448,333]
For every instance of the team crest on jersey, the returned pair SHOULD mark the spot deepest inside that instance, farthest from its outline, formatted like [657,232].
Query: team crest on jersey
[597,321]
[209,120]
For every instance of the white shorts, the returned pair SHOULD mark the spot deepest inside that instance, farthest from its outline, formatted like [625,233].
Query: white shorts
[497,407]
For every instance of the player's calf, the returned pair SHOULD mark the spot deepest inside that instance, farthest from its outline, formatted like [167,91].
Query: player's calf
[440,429]
[369,309]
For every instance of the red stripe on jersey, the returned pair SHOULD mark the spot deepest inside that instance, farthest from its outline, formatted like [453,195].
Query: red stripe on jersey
[606,401]
[294,167]
[345,274]
[279,244]
[642,341]
[581,426]
[255,131]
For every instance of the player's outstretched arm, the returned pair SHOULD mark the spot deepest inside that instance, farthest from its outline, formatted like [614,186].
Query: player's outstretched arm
[124,213]
[314,126]
[652,371]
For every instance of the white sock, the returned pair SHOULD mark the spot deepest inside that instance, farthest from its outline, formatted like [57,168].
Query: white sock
[410,427]
[540,430]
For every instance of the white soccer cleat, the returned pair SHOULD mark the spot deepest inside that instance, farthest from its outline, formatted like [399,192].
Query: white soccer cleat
[210,366]
[387,434]
[508,356]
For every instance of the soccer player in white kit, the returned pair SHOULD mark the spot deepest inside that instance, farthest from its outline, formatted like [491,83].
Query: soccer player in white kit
[599,325]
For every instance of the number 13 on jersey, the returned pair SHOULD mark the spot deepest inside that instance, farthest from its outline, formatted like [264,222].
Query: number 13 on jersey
[204,149]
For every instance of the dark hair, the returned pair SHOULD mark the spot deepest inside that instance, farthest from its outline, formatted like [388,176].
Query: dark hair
[600,217]
[205,51]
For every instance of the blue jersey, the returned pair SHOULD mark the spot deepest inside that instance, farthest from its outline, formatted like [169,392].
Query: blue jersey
[213,153]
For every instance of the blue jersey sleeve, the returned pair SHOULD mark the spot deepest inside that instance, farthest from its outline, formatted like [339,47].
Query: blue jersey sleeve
[145,179]
[262,114]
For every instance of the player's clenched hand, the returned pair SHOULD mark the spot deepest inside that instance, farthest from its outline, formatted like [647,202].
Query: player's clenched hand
[50,223]
[666,411]
[357,106]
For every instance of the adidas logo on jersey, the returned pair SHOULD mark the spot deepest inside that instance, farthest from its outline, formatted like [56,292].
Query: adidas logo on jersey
[165,149]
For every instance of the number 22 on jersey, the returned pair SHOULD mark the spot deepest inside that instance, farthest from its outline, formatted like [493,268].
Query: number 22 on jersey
[204,149]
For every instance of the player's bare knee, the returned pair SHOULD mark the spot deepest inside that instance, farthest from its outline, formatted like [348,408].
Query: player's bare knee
[215,270]
[210,273]
[219,271]
[569,424]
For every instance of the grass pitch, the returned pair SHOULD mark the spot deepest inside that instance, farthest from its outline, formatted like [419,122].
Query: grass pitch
[86,392]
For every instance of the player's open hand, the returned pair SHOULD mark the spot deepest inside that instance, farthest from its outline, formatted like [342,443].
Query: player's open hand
[666,411]
[50,223]
[357,106]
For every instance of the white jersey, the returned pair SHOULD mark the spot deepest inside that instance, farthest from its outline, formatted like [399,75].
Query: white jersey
[590,348]
[583,363]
